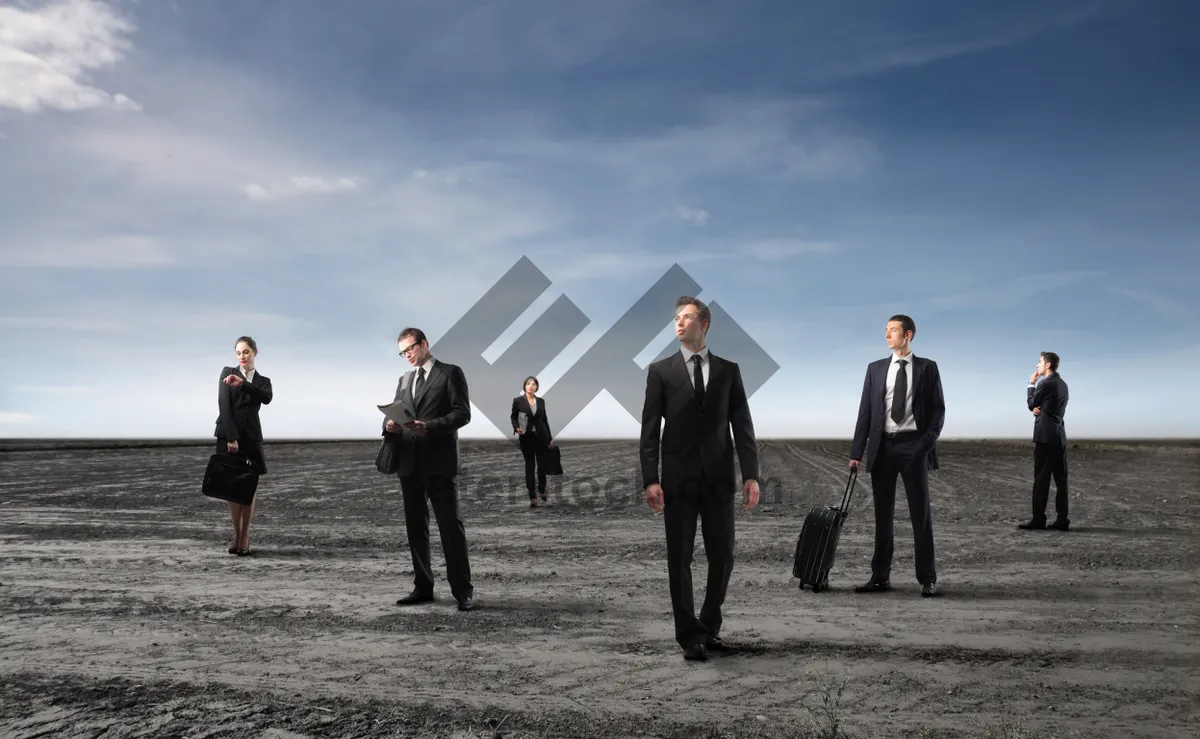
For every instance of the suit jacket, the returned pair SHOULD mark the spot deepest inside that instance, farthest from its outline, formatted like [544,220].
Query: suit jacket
[1051,396]
[541,425]
[929,409]
[239,406]
[696,440]
[445,407]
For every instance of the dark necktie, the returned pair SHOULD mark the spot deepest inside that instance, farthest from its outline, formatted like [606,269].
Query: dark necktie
[899,393]
[420,384]
[698,374]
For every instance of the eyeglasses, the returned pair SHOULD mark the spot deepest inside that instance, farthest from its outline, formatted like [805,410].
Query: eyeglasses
[408,349]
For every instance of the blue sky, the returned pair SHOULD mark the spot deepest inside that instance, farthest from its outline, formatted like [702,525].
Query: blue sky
[1017,177]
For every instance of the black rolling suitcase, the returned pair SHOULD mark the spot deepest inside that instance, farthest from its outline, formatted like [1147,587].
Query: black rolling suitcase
[817,545]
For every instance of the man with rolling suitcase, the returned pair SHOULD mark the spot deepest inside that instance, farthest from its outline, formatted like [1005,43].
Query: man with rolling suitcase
[900,418]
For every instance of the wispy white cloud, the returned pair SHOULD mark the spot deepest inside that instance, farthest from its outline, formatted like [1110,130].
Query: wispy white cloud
[515,37]
[598,260]
[56,323]
[896,51]
[775,250]
[761,139]
[162,153]
[1163,304]
[45,54]
[55,389]
[168,319]
[303,185]
[451,175]
[697,216]
[12,418]
[1012,292]
[102,252]
[431,214]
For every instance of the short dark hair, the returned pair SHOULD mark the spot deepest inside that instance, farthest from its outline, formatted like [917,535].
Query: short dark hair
[249,342]
[1051,359]
[906,324]
[416,334]
[535,382]
[703,311]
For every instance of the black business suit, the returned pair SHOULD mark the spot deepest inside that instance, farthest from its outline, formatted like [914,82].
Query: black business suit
[238,417]
[534,441]
[698,476]
[427,466]
[907,454]
[1050,450]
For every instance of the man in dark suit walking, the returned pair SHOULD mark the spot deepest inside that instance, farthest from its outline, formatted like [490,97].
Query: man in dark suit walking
[435,395]
[1047,399]
[900,418]
[701,396]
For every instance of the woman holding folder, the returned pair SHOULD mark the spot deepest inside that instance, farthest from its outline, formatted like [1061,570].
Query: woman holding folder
[530,424]
[240,394]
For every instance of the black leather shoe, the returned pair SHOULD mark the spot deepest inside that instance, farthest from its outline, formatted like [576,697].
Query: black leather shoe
[1038,525]
[414,598]
[466,604]
[695,653]
[1061,525]
[714,644]
[930,590]
[874,586]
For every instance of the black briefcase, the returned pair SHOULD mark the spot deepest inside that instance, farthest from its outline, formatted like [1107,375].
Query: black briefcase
[387,460]
[230,477]
[551,461]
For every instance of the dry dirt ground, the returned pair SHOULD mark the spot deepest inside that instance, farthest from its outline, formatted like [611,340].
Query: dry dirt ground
[122,614]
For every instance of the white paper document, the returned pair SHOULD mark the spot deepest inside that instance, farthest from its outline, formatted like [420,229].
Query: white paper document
[396,412]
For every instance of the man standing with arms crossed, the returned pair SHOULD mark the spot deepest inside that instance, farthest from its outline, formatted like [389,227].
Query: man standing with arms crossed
[1047,399]
[700,395]
[900,418]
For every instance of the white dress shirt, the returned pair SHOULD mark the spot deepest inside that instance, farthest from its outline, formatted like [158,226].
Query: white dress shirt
[428,367]
[691,366]
[247,374]
[908,423]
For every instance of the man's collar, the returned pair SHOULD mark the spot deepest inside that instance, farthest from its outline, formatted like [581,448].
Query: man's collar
[908,358]
[428,364]
[688,353]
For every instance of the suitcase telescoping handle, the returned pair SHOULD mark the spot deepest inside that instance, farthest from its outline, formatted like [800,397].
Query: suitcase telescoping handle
[849,493]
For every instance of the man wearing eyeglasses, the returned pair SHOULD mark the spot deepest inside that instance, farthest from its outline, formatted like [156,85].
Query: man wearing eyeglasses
[434,394]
